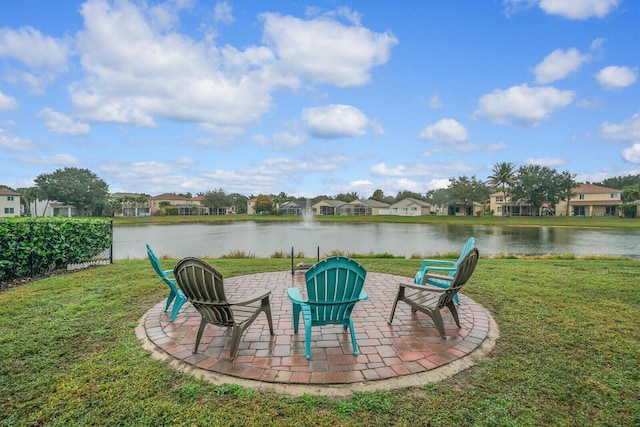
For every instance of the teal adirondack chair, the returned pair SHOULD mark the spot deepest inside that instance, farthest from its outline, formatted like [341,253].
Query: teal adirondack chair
[174,292]
[443,267]
[334,286]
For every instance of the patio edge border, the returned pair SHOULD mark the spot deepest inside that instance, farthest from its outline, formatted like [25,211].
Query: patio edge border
[332,390]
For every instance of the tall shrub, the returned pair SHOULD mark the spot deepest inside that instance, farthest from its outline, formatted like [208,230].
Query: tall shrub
[33,246]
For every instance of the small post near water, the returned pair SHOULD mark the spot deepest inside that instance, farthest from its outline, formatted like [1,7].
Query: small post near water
[302,265]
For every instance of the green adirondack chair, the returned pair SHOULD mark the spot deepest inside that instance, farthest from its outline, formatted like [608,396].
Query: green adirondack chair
[334,286]
[203,286]
[174,293]
[430,300]
[443,267]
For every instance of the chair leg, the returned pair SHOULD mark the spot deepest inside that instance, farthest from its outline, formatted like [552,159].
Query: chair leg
[353,338]
[266,307]
[296,317]
[454,312]
[203,323]
[177,305]
[169,299]
[437,320]
[395,303]
[236,334]
[307,340]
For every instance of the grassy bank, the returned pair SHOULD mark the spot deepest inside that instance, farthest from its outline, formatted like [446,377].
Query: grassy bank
[568,354]
[556,221]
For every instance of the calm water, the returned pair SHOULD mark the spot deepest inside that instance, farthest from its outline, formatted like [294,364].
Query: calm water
[264,239]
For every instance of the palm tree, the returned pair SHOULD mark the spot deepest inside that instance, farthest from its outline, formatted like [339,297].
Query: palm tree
[503,174]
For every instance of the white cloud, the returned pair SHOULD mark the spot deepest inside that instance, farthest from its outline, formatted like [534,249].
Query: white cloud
[522,105]
[569,9]
[335,121]
[614,77]
[579,9]
[7,102]
[135,73]
[138,72]
[632,154]
[422,169]
[434,102]
[627,131]
[57,159]
[62,124]
[545,161]
[324,50]
[290,138]
[13,142]
[223,12]
[445,131]
[45,57]
[497,146]
[558,65]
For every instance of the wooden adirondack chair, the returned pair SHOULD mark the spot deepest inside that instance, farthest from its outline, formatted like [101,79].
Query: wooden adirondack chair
[443,267]
[174,292]
[334,286]
[430,300]
[204,287]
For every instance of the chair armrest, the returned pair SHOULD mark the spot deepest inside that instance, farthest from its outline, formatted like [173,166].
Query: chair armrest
[439,276]
[363,295]
[167,272]
[253,298]
[432,268]
[295,296]
[426,262]
[422,287]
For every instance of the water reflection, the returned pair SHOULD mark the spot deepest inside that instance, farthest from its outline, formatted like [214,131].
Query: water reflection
[264,239]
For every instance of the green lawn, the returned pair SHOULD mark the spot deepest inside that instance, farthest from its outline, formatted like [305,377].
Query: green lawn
[568,354]
[560,221]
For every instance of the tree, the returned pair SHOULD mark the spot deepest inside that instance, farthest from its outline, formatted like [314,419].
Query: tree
[406,194]
[347,197]
[28,195]
[279,199]
[264,204]
[502,176]
[466,191]
[535,185]
[378,195]
[620,182]
[566,184]
[440,197]
[215,199]
[79,188]
[238,201]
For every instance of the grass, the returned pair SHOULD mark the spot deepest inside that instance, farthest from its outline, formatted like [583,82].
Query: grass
[557,221]
[568,354]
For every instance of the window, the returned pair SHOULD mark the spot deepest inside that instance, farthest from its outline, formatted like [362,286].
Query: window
[10,198]
[581,196]
[499,199]
[8,210]
[614,195]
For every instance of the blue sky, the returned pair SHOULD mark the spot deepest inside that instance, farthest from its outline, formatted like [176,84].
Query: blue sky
[316,97]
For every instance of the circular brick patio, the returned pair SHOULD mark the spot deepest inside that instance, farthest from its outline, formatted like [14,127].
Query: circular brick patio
[407,353]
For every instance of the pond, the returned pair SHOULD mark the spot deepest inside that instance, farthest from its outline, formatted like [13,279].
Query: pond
[262,239]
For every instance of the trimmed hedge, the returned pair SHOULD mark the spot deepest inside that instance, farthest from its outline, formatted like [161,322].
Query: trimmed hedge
[36,246]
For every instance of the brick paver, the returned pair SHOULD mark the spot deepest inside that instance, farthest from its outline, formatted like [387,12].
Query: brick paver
[410,345]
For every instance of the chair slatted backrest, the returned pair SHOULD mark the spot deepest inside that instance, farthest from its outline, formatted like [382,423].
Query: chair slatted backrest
[463,273]
[203,286]
[155,263]
[333,288]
